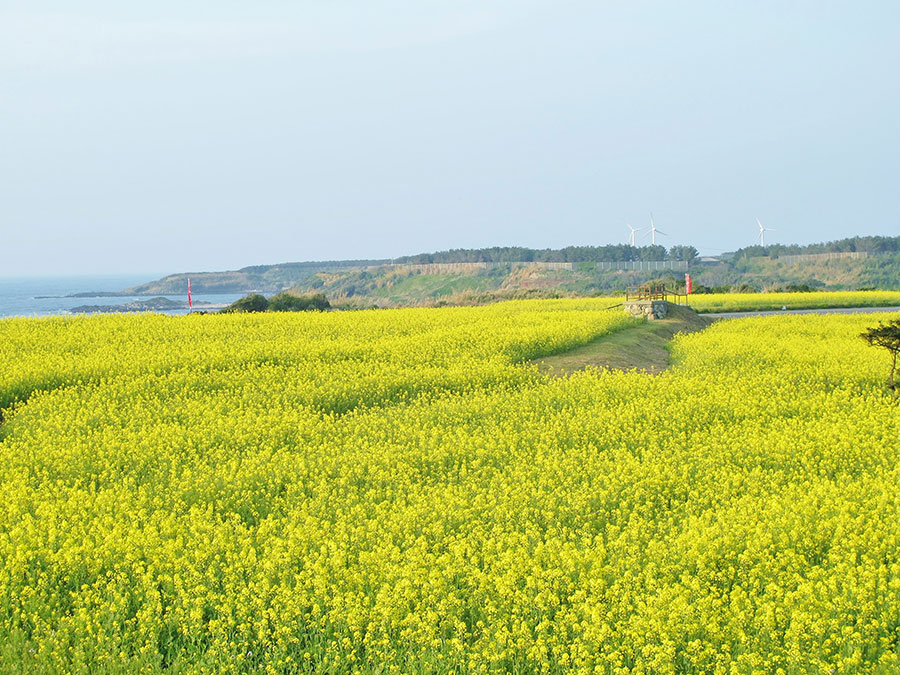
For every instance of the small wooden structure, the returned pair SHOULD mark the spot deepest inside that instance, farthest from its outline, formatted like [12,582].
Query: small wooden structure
[651,300]
[648,292]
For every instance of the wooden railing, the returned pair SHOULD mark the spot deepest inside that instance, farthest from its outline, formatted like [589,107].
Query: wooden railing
[658,292]
[645,292]
[678,298]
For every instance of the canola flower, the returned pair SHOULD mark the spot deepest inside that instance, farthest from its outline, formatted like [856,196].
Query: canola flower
[751,302]
[400,491]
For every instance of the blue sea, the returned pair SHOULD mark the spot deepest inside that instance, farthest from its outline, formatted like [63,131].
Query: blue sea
[35,296]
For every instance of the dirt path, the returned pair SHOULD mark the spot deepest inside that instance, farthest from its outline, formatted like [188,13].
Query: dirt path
[644,347]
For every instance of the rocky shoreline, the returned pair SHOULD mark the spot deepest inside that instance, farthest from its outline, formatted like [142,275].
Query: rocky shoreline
[152,305]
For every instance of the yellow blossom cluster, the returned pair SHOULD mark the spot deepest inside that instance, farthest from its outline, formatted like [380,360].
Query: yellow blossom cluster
[399,491]
[753,302]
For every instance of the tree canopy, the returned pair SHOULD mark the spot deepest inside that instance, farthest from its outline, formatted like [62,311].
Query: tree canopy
[886,336]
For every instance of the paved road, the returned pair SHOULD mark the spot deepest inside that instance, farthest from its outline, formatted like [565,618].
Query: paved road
[831,310]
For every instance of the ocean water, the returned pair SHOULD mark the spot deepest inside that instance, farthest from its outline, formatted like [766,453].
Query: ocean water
[35,296]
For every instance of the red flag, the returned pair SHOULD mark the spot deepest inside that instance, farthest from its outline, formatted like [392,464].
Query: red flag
[687,283]
[190,304]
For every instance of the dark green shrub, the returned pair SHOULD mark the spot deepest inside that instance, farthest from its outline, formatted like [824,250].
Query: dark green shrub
[285,302]
[252,303]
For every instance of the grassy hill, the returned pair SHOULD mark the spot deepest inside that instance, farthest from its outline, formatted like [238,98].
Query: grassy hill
[426,285]
[765,273]
[479,275]
[260,278]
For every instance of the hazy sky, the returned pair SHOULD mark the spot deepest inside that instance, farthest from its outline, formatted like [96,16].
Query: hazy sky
[187,136]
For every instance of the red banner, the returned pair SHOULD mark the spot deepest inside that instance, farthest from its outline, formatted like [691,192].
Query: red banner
[687,283]
[190,304]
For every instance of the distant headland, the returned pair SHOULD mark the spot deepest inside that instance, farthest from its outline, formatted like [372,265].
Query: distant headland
[152,305]
[465,275]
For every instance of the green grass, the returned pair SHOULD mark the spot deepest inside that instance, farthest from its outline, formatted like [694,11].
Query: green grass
[431,286]
[642,347]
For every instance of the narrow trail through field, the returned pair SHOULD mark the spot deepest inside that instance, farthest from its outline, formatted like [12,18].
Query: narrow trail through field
[643,347]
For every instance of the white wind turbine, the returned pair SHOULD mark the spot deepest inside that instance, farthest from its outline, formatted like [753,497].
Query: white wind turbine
[633,232]
[762,232]
[654,231]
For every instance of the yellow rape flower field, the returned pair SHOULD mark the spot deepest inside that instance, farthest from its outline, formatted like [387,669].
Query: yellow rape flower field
[401,491]
[753,302]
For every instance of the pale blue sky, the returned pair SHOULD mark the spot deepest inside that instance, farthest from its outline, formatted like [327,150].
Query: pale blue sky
[173,136]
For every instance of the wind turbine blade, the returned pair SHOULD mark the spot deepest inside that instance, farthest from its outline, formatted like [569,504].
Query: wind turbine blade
[760,224]
[661,232]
